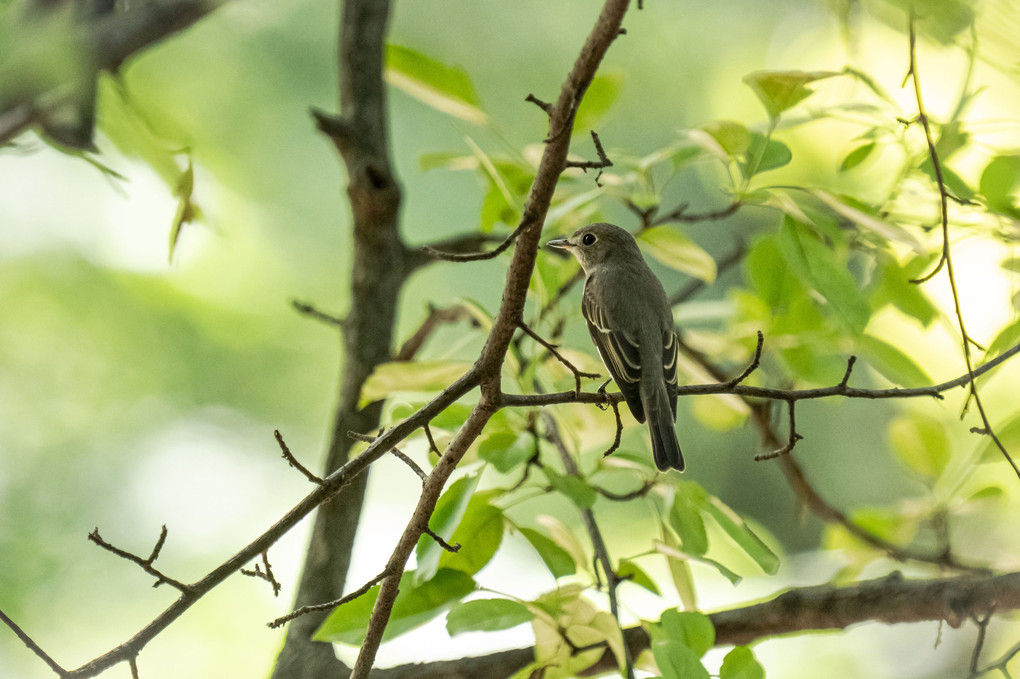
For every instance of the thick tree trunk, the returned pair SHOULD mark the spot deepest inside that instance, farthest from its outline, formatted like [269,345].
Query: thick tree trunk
[378,273]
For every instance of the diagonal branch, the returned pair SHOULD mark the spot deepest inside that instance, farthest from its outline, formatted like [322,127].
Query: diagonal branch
[488,366]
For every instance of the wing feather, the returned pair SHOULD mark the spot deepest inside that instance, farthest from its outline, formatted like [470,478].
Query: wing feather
[619,353]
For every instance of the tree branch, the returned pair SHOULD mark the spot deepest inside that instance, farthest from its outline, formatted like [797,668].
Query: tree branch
[488,366]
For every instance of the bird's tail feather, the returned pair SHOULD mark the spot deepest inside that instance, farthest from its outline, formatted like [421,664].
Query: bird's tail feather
[665,447]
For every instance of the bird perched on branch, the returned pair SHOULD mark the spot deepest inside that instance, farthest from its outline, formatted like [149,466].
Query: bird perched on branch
[631,323]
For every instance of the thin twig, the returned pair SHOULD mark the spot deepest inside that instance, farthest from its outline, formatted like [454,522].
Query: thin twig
[292,461]
[545,106]
[432,442]
[551,348]
[34,647]
[982,625]
[312,312]
[329,605]
[266,574]
[602,163]
[477,256]
[146,563]
[454,548]
[619,430]
[753,365]
[791,440]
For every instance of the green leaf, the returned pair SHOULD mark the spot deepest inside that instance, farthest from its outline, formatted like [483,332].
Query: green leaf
[446,160]
[732,137]
[628,570]
[415,605]
[679,568]
[740,663]
[686,520]
[394,376]
[921,443]
[870,223]
[693,630]
[479,535]
[742,534]
[857,156]
[676,661]
[486,615]
[445,88]
[891,363]
[772,283]
[779,91]
[763,155]
[449,511]
[563,537]
[671,247]
[557,560]
[506,450]
[998,184]
[579,492]
[1007,338]
[817,264]
[956,184]
[893,286]
[598,99]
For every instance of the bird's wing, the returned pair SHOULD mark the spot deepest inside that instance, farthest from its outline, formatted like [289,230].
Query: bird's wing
[670,359]
[620,354]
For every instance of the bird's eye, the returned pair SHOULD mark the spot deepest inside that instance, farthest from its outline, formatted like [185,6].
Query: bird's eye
[588,239]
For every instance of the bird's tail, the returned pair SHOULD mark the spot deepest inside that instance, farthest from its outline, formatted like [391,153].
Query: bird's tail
[659,413]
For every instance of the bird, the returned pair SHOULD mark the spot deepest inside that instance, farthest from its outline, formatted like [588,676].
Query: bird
[631,323]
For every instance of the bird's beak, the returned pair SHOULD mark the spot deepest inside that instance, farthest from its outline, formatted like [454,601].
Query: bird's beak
[562,243]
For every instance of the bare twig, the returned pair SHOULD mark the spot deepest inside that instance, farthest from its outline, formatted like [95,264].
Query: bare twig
[329,605]
[441,542]
[600,164]
[144,563]
[312,312]
[551,348]
[436,253]
[792,439]
[266,574]
[755,362]
[545,106]
[292,461]
[34,647]
[619,429]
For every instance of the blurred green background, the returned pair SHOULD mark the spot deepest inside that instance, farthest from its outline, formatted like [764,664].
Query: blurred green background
[137,391]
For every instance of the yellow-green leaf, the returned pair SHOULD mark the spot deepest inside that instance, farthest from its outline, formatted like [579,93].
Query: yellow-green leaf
[410,376]
[671,247]
[444,88]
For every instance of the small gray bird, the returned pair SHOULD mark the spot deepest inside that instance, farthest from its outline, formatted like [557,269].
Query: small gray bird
[631,323]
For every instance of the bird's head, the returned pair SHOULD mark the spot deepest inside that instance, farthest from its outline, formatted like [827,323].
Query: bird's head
[595,244]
